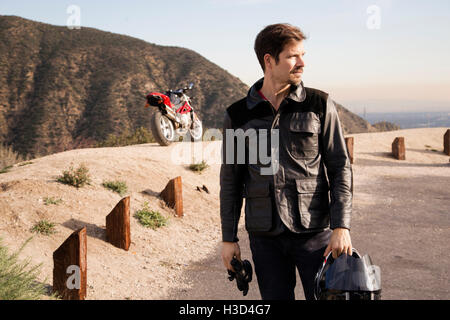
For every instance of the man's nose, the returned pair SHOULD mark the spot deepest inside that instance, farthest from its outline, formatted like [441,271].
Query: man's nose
[300,62]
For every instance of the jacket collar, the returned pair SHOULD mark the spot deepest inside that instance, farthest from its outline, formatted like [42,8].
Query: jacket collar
[297,94]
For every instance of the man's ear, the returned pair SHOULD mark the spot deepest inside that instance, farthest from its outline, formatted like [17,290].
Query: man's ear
[268,61]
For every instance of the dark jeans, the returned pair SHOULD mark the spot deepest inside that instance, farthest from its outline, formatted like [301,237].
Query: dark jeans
[275,260]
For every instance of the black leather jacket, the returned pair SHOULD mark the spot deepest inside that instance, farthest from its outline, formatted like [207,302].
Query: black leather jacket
[311,183]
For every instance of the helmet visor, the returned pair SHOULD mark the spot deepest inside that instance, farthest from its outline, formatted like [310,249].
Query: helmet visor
[349,273]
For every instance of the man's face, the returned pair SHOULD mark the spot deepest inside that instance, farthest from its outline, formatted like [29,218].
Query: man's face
[289,68]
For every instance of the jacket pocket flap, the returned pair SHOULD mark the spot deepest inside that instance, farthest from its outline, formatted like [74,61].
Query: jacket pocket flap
[257,190]
[305,122]
[310,186]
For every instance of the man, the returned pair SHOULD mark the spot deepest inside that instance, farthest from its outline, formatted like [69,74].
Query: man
[301,212]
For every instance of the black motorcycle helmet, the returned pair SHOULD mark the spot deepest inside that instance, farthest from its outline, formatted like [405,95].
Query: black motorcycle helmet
[348,278]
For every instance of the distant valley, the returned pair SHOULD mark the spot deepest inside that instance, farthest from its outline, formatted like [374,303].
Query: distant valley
[408,120]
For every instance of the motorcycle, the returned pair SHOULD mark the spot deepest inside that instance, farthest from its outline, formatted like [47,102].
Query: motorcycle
[174,116]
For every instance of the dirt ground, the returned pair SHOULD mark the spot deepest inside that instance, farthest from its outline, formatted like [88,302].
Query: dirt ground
[400,218]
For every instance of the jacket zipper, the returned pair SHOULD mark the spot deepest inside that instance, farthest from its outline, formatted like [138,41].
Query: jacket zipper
[277,116]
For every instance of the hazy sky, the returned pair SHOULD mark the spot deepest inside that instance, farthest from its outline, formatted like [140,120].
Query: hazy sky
[382,55]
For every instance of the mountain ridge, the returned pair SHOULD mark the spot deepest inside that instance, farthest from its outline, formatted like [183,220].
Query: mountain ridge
[62,89]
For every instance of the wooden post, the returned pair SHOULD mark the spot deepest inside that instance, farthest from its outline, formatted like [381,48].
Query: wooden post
[447,142]
[349,142]
[173,195]
[70,267]
[398,148]
[118,225]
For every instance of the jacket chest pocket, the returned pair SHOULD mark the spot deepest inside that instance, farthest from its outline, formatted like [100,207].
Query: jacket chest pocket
[304,130]
[258,207]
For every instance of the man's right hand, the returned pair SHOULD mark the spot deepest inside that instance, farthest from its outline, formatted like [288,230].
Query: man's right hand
[229,251]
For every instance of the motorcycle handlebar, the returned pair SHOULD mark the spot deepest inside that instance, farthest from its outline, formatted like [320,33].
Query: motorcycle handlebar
[181,90]
[189,87]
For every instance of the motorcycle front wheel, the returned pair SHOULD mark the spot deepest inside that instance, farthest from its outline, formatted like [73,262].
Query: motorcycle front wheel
[196,132]
[162,129]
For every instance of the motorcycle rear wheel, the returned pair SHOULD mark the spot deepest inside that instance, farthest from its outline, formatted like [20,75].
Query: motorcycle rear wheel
[162,129]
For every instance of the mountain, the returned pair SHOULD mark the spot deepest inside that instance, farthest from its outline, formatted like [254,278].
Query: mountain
[62,89]
[352,123]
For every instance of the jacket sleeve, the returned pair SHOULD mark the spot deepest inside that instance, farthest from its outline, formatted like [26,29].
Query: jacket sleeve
[231,184]
[338,167]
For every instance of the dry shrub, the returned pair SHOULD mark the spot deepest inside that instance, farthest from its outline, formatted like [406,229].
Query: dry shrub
[8,157]
[76,177]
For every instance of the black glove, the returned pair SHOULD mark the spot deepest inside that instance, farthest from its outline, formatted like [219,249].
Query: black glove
[243,274]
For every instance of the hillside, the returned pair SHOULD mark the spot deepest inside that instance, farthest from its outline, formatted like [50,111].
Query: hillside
[182,260]
[386,126]
[64,89]
[352,123]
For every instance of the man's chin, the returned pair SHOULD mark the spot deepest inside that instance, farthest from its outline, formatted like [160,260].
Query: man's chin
[295,81]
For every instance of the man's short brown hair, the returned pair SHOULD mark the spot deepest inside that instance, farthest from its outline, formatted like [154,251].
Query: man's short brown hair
[273,38]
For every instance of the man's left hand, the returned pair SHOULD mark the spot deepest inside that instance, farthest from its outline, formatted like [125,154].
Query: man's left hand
[340,242]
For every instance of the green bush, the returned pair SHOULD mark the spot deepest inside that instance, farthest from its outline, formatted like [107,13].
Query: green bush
[77,178]
[18,280]
[50,200]
[117,186]
[150,218]
[139,136]
[44,227]
[199,167]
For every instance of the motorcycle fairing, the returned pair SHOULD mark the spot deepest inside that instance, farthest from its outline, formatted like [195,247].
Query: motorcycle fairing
[166,99]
